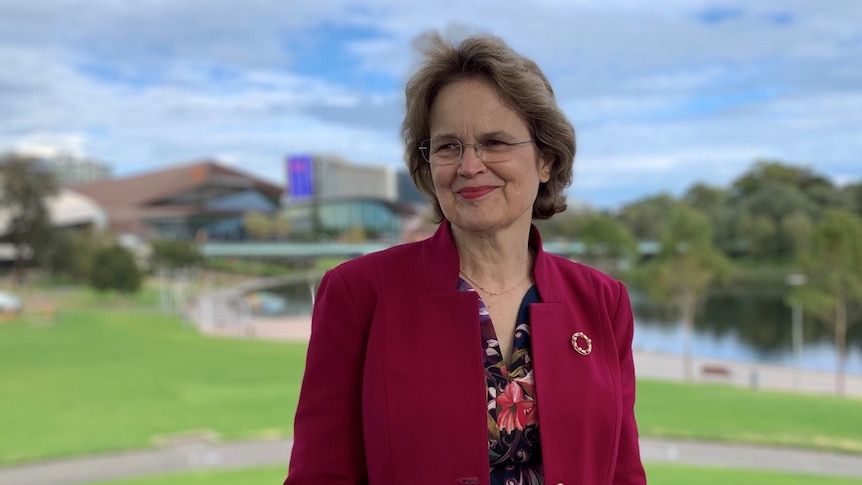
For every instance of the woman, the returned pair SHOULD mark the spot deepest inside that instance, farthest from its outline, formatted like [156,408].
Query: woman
[473,357]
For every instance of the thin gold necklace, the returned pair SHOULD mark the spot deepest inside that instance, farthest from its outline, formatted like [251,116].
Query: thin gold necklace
[492,293]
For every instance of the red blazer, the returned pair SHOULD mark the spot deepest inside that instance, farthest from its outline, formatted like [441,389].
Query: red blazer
[394,390]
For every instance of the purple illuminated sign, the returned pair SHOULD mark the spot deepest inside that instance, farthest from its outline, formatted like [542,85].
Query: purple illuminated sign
[300,177]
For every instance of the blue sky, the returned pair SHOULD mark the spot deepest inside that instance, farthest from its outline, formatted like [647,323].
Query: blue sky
[662,94]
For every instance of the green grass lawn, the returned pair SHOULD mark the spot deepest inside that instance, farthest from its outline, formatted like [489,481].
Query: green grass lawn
[109,375]
[657,474]
[665,474]
[724,413]
[245,476]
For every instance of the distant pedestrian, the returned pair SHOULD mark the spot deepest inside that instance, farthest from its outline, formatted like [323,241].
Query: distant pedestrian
[473,357]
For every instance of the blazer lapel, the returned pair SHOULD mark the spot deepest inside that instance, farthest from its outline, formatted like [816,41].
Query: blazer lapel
[575,391]
[431,356]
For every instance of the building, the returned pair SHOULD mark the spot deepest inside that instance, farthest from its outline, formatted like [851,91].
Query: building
[334,177]
[363,218]
[67,169]
[71,170]
[328,195]
[408,192]
[199,200]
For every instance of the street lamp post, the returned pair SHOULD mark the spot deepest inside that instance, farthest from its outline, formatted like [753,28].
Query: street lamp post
[796,279]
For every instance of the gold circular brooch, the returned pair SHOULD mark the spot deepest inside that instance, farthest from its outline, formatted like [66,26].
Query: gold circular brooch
[576,344]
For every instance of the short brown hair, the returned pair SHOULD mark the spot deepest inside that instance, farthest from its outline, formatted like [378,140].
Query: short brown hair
[522,86]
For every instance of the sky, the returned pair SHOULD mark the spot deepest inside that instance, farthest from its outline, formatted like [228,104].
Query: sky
[663,94]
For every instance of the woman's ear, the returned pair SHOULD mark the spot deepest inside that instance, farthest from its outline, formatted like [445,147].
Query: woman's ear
[545,166]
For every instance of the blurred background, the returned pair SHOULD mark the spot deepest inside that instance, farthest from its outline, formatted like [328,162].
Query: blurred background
[175,177]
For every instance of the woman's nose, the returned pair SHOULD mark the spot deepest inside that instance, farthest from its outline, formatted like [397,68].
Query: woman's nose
[471,163]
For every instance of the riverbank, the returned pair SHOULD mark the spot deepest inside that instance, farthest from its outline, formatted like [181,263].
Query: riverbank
[652,365]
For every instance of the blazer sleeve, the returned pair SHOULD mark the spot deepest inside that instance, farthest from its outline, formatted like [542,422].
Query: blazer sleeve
[328,444]
[629,468]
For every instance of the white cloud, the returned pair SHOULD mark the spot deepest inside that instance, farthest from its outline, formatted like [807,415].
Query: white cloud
[52,144]
[659,98]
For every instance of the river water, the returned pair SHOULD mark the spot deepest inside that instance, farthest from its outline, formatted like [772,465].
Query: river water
[749,328]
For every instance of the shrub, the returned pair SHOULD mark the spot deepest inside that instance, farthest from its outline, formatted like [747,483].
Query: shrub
[114,269]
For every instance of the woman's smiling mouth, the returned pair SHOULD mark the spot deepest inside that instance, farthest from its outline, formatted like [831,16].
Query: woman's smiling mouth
[475,192]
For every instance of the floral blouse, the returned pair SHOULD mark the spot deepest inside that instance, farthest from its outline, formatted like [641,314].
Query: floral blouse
[514,450]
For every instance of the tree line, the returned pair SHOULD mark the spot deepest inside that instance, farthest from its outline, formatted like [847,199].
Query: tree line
[774,220]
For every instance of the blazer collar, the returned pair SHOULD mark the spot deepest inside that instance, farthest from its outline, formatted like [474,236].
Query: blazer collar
[441,263]
[440,259]
[544,271]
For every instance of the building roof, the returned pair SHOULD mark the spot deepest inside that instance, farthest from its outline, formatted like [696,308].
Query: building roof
[69,208]
[176,191]
[66,208]
[154,187]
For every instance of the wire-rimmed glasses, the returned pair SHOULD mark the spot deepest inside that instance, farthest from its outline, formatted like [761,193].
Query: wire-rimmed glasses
[446,151]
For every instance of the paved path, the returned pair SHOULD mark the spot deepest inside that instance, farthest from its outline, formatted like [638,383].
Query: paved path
[259,453]
[110,466]
[745,374]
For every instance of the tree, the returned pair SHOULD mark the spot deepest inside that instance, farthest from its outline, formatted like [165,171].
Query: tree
[356,234]
[562,226]
[24,186]
[257,225]
[833,293]
[647,219]
[714,202]
[852,198]
[281,225]
[114,269]
[773,190]
[606,241]
[759,232]
[679,277]
[764,172]
[798,229]
[175,254]
[71,251]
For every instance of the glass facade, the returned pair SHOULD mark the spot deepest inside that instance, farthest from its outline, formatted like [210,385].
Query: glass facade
[377,218]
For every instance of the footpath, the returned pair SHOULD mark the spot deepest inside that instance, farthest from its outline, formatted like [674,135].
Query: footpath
[88,470]
[214,456]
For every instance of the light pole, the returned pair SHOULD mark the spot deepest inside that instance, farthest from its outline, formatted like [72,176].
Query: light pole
[796,279]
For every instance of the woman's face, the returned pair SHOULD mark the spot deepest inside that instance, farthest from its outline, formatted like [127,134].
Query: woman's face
[474,195]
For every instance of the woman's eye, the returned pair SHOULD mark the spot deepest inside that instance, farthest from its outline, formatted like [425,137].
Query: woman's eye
[494,143]
[446,146]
